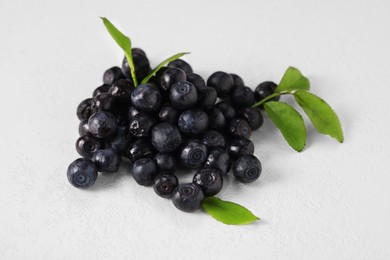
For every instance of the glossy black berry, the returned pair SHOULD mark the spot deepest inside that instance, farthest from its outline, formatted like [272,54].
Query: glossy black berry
[107,160]
[252,116]
[238,81]
[222,82]
[213,139]
[181,64]
[102,124]
[219,159]
[183,95]
[247,169]
[265,89]
[86,146]
[112,74]
[165,162]
[144,171]
[240,146]
[131,112]
[207,97]
[84,109]
[104,102]
[168,114]
[193,153]
[166,137]
[141,64]
[141,125]
[227,110]
[170,77]
[242,97]
[216,119]
[209,179]
[121,140]
[197,80]
[103,89]
[193,122]
[165,184]
[146,98]
[188,197]
[140,148]
[84,128]
[82,173]
[239,127]
[122,90]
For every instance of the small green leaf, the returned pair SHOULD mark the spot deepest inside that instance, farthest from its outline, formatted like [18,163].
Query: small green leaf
[124,42]
[293,80]
[321,114]
[290,123]
[228,212]
[162,64]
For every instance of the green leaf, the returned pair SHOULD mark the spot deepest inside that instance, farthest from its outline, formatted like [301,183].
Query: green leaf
[228,212]
[162,64]
[321,114]
[293,80]
[290,123]
[124,42]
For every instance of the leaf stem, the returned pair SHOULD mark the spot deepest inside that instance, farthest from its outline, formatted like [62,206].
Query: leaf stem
[276,94]
[129,58]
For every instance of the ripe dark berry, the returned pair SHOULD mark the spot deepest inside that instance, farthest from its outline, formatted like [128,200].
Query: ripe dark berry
[222,82]
[170,77]
[238,81]
[207,97]
[193,153]
[166,137]
[183,95]
[121,140]
[144,171]
[83,127]
[216,119]
[86,146]
[247,168]
[219,159]
[227,110]
[82,173]
[181,64]
[252,116]
[104,102]
[132,112]
[165,162]
[188,197]
[107,160]
[102,124]
[103,89]
[122,90]
[240,146]
[112,74]
[141,125]
[140,148]
[165,184]
[84,109]
[242,97]
[141,64]
[265,89]
[239,127]
[209,179]
[197,80]
[213,139]
[168,114]
[146,98]
[193,122]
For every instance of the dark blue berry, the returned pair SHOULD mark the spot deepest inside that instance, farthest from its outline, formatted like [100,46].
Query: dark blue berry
[209,179]
[240,146]
[168,114]
[170,77]
[193,154]
[238,81]
[104,102]
[227,110]
[83,128]
[196,80]
[193,122]
[121,140]
[84,109]
[102,124]
[222,82]
[207,97]
[247,169]
[112,74]
[213,139]
[188,197]
[219,159]
[239,127]
[252,116]
[216,119]
[141,64]
[103,89]
[183,95]
[242,97]
[132,111]
[146,98]
[166,137]
[181,64]
[265,89]
[107,160]
[138,149]
[144,171]
[122,90]
[165,162]
[82,173]
[141,125]
[86,146]
[165,184]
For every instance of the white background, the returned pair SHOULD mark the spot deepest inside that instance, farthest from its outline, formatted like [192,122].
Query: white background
[332,201]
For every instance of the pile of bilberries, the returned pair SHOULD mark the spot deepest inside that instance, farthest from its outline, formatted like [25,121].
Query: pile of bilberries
[175,120]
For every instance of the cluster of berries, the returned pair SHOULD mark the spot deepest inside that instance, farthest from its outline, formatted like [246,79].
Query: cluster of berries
[175,120]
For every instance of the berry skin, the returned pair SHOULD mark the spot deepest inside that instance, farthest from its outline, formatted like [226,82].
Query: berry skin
[213,139]
[166,137]
[188,197]
[141,64]
[222,82]
[209,179]
[84,109]
[104,102]
[197,80]
[141,125]
[107,160]
[165,184]
[168,114]
[165,162]
[181,64]
[140,148]
[170,77]
[265,89]
[193,154]
[239,127]
[219,159]
[240,146]
[146,98]
[242,97]
[207,97]
[86,146]
[216,119]
[102,124]
[247,169]
[112,74]
[183,95]
[121,140]
[83,127]
[132,112]
[227,110]
[103,89]
[122,90]
[238,81]
[82,173]
[144,171]
[193,122]
[252,116]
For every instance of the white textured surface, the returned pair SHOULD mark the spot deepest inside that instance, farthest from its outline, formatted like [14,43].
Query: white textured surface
[331,201]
